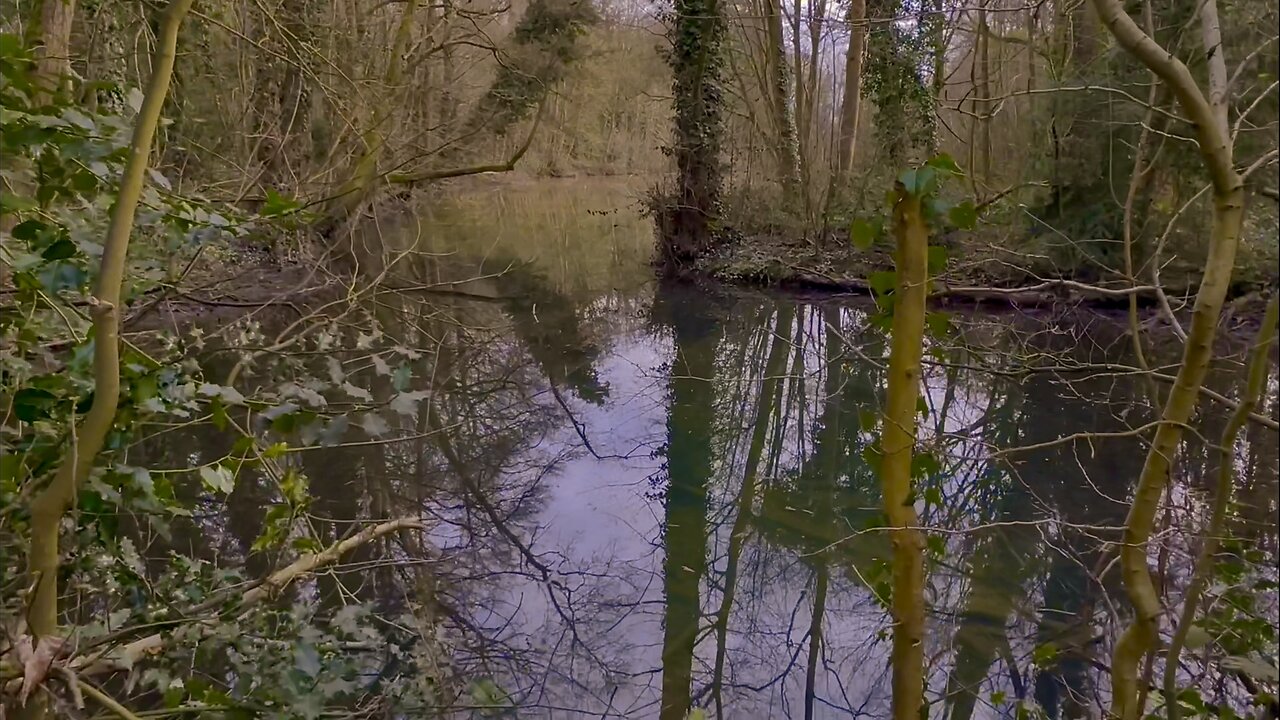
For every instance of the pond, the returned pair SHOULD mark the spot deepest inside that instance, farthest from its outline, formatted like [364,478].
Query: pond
[642,498]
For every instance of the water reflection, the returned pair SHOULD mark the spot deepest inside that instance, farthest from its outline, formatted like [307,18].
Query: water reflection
[646,499]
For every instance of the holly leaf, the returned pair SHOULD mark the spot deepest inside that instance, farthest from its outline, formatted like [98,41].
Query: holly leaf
[217,478]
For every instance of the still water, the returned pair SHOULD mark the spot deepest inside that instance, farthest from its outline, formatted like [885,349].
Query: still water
[643,498]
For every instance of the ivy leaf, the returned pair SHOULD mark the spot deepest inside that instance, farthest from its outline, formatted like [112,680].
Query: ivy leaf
[937,545]
[963,215]
[920,182]
[217,478]
[79,119]
[863,233]
[486,693]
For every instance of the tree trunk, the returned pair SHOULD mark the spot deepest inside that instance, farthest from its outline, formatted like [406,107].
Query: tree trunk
[48,507]
[897,443]
[687,221]
[1213,136]
[53,57]
[850,105]
[787,149]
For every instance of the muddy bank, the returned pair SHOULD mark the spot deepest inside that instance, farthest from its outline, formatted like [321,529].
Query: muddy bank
[838,269]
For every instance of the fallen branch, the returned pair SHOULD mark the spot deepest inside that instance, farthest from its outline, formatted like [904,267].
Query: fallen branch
[1048,292]
[510,164]
[126,656]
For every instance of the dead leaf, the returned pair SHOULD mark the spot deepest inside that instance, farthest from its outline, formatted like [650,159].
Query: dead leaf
[36,658]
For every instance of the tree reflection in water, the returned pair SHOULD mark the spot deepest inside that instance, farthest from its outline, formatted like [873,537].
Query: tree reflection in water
[644,502]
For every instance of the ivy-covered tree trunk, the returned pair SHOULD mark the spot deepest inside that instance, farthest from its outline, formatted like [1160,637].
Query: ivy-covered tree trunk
[53,57]
[688,218]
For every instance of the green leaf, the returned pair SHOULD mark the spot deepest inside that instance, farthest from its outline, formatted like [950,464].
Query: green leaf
[908,181]
[306,660]
[79,119]
[134,99]
[486,693]
[1197,637]
[925,465]
[400,380]
[944,163]
[60,250]
[406,403]
[1254,668]
[963,215]
[228,395]
[933,496]
[863,234]
[937,261]
[277,204]
[13,203]
[937,544]
[11,46]
[217,479]
[926,181]
[1044,655]
[28,230]
[374,425]
[937,323]
[32,404]
[882,282]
